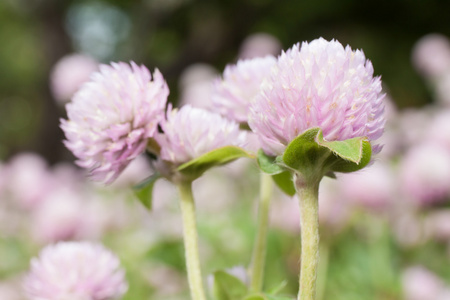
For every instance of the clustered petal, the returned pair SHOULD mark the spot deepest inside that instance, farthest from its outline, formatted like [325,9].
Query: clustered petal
[111,117]
[320,84]
[190,132]
[240,84]
[75,270]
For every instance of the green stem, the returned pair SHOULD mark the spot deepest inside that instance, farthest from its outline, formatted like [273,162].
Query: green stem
[191,241]
[308,192]
[324,251]
[260,247]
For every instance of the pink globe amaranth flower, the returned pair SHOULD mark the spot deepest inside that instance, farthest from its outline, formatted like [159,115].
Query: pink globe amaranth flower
[431,55]
[320,84]
[240,84]
[420,283]
[69,73]
[259,45]
[424,173]
[111,118]
[75,270]
[190,132]
[372,188]
[196,85]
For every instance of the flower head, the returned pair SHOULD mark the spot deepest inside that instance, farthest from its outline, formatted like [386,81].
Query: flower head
[240,84]
[320,84]
[75,271]
[190,132]
[111,117]
[69,73]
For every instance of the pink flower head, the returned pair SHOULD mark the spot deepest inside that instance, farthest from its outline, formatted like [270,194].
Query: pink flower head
[111,118]
[240,84]
[425,173]
[318,84]
[190,132]
[69,73]
[75,270]
[431,55]
[259,45]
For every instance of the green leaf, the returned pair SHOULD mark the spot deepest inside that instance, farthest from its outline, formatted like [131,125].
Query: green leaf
[284,182]
[143,191]
[276,289]
[228,287]
[268,164]
[303,153]
[196,167]
[351,149]
[337,164]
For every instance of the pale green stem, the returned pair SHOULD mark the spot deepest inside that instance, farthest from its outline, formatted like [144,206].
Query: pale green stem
[259,250]
[191,241]
[307,192]
[324,251]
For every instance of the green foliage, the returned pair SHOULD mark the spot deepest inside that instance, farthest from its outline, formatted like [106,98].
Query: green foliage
[228,287]
[196,167]
[144,190]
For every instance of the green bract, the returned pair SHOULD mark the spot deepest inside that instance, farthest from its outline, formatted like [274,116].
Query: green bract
[312,156]
[217,157]
[191,170]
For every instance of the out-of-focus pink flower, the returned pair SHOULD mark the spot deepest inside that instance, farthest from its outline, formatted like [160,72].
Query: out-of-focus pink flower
[240,84]
[420,284]
[134,173]
[431,55]
[425,173]
[320,84]
[259,45]
[69,73]
[373,187]
[75,270]
[190,132]
[443,89]
[27,179]
[111,118]
[437,129]
[413,125]
[196,85]
[68,214]
[437,224]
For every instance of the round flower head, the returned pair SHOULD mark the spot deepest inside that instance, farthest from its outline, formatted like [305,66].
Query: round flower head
[190,132]
[320,84]
[111,118]
[75,271]
[68,74]
[240,84]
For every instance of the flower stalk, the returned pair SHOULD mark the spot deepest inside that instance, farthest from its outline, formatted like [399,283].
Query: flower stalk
[260,248]
[191,241]
[308,192]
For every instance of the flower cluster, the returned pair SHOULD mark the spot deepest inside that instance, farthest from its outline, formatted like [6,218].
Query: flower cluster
[190,132]
[75,270]
[111,118]
[318,84]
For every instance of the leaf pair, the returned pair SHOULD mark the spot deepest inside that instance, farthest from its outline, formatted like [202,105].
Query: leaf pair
[229,287]
[313,156]
[191,169]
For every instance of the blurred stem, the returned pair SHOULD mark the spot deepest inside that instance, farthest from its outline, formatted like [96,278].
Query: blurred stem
[260,248]
[324,251]
[308,192]
[191,241]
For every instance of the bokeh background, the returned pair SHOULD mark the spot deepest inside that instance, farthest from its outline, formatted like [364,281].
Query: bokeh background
[385,232]
[173,34]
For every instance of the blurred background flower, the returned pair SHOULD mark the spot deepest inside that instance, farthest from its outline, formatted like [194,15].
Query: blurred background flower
[385,231]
